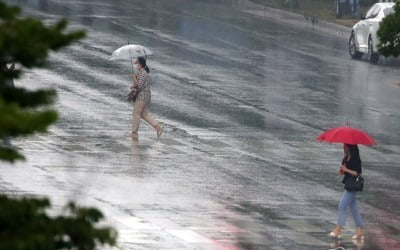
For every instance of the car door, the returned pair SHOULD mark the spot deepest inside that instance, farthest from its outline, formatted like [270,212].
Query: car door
[372,22]
[363,28]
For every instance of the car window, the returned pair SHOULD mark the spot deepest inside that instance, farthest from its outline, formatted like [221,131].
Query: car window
[370,11]
[388,11]
[374,12]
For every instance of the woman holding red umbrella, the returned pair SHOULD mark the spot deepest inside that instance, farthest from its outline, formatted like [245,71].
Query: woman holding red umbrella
[351,166]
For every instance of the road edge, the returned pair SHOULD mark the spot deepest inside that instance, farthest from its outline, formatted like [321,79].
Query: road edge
[297,20]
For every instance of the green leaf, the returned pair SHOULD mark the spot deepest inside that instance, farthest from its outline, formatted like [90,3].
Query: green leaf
[24,223]
[10,154]
[389,34]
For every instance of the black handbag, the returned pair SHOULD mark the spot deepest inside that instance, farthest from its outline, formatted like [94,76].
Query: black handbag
[132,95]
[354,183]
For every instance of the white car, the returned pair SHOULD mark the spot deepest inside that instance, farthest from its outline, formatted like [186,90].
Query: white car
[363,38]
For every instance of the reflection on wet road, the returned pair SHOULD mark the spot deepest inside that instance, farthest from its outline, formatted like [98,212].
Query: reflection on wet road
[243,98]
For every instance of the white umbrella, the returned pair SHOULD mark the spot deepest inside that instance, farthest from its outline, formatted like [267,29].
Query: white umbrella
[130,51]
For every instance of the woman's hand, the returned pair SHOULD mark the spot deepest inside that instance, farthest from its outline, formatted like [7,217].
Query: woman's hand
[341,172]
[346,170]
[135,78]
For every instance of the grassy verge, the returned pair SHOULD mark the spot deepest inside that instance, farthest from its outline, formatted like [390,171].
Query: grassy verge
[321,9]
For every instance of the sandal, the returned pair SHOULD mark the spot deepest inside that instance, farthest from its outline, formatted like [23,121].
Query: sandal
[359,234]
[335,235]
[358,237]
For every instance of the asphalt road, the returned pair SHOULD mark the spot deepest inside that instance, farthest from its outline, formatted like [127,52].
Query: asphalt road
[243,96]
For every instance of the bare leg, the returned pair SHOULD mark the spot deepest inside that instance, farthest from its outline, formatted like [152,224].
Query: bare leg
[149,119]
[137,113]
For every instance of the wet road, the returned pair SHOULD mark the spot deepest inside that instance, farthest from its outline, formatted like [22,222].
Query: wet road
[243,98]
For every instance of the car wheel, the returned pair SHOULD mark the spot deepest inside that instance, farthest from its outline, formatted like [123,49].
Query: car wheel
[353,48]
[373,56]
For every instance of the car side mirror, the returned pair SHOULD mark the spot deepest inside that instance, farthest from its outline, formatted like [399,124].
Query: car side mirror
[362,17]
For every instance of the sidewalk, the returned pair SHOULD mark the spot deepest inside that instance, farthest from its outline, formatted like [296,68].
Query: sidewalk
[303,22]
[320,9]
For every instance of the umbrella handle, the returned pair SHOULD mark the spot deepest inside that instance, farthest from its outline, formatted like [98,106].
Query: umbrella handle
[130,57]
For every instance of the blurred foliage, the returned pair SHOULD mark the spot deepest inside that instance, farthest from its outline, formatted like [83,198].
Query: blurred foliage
[389,34]
[26,41]
[24,222]
[24,225]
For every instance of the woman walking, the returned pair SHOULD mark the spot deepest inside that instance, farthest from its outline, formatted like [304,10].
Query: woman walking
[141,83]
[351,166]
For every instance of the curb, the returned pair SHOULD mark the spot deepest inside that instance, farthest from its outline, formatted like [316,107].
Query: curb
[298,20]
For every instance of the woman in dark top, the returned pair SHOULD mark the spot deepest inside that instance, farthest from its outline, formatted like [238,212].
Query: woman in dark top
[351,166]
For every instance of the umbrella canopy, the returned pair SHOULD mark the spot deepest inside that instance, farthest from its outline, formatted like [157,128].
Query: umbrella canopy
[130,51]
[347,135]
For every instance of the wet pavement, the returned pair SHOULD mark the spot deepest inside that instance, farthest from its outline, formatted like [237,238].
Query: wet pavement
[243,96]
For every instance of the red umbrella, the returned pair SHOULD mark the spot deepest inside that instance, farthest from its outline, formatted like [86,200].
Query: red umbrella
[348,135]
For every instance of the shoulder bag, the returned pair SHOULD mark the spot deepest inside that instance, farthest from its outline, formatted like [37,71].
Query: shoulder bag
[354,183]
[132,95]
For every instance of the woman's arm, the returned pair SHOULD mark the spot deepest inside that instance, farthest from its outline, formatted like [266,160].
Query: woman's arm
[346,170]
[134,78]
[341,170]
